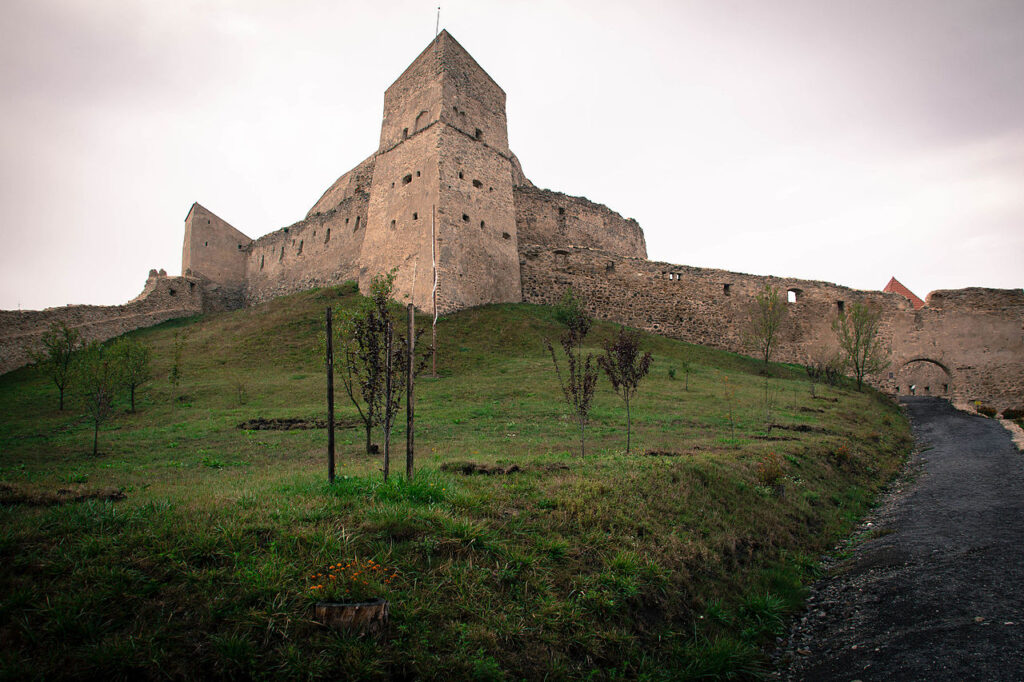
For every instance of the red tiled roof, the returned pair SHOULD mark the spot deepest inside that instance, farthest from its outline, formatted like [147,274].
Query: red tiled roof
[894,287]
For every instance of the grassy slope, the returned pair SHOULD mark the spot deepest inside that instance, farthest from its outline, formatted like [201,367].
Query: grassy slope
[659,566]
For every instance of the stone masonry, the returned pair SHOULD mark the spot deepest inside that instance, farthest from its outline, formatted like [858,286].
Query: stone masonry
[443,187]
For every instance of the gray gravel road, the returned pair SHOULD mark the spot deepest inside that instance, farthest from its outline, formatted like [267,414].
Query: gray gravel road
[936,592]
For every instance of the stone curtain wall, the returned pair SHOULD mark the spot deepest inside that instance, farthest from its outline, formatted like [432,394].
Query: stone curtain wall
[322,250]
[977,336]
[554,219]
[163,298]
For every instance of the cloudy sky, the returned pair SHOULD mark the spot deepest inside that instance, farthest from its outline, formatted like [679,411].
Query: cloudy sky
[847,140]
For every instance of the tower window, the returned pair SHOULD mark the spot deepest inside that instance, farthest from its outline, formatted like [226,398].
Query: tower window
[407,179]
[328,237]
[392,224]
[465,218]
[417,174]
[415,216]
[481,224]
[300,248]
[478,134]
[561,210]
[506,235]
[262,256]
[726,289]
[460,175]
[478,184]
[840,307]
[794,295]
[357,224]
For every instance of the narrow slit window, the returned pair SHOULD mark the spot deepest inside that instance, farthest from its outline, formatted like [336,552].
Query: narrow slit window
[726,289]
[460,175]
[840,307]
[262,257]
[482,225]
[281,257]
[478,134]
[300,248]
[405,133]
[392,224]
[354,229]
[327,237]
[415,216]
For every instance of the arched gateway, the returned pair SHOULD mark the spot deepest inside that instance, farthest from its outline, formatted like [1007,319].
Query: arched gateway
[924,376]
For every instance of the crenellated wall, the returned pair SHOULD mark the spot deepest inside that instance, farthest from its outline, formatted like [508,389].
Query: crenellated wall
[163,298]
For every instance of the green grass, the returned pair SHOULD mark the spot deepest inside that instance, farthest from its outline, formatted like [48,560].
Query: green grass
[671,566]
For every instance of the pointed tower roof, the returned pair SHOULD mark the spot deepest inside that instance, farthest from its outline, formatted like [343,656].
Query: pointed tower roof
[895,287]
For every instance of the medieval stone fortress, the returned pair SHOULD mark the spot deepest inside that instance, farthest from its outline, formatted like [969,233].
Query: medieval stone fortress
[444,191]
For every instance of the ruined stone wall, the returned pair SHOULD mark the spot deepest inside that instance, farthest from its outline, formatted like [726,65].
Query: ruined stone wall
[356,181]
[163,298]
[215,252]
[555,220]
[322,250]
[976,335]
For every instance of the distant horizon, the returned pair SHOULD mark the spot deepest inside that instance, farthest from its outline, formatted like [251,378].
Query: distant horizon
[846,143]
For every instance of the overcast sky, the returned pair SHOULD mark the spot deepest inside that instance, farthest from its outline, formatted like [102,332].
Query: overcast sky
[842,141]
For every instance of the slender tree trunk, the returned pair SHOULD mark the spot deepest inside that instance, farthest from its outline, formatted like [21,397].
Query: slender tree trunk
[629,426]
[330,398]
[369,436]
[583,448]
[95,437]
[133,397]
[387,404]
[61,388]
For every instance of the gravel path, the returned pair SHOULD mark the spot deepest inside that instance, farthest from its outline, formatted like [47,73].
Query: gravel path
[936,592]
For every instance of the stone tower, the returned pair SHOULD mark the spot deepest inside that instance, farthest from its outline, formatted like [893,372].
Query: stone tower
[444,157]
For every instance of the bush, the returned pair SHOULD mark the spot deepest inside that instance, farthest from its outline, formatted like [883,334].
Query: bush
[769,469]
[985,410]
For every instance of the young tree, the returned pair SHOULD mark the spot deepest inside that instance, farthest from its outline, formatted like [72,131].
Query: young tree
[859,340]
[98,374]
[56,355]
[361,346]
[581,375]
[626,367]
[135,359]
[767,315]
[176,373]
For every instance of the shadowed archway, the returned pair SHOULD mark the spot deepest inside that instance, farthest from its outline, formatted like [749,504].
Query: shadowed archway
[924,376]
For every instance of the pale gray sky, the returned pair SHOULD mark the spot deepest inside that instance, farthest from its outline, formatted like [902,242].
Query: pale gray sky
[845,141]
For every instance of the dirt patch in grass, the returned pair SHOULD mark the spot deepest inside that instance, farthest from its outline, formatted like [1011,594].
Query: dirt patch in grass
[293,424]
[801,428]
[471,468]
[13,494]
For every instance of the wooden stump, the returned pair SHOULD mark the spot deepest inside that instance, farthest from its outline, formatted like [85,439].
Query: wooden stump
[368,616]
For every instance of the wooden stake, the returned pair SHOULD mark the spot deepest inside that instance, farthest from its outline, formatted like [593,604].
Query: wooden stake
[330,398]
[410,380]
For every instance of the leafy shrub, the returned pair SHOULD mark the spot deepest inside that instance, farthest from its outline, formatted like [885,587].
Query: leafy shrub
[769,468]
[985,410]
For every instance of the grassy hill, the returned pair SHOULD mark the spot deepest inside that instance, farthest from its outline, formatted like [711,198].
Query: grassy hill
[679,560]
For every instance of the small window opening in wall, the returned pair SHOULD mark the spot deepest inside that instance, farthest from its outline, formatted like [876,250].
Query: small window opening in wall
[415,216]
[840,307]
[357,224]
[460,175]
[207,221]
[482,225]
[206,243]
[191,286]
[327,237]
[561,210]
[262,257]
[478,184]
[281,257]
[506,235]
[300,248]
[465,218]
[407,179]
[239,247]
[172,292]
[726,289]
[609,266]
[392,185]
[793,295]
[392,224]
[346,221]
[945,388]
[417,174]
[478,134]
[405,133]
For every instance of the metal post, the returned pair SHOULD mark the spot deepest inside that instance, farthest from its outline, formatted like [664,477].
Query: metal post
[410,380]
[330,398]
